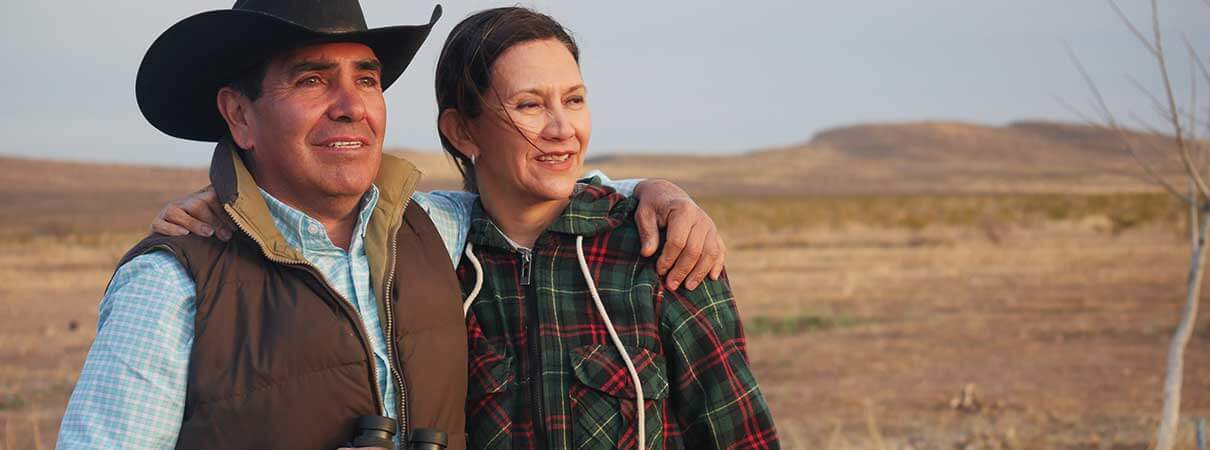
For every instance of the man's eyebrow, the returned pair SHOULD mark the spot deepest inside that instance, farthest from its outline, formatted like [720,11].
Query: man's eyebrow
[310,65]
[369,64]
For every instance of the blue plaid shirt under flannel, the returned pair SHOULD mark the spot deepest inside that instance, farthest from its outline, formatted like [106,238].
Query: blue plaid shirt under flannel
[131,391]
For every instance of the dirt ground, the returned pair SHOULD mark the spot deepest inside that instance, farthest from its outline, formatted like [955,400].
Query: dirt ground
[860,338]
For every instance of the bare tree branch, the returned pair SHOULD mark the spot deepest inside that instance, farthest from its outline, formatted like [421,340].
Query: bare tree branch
[1203,189]
[1111,122]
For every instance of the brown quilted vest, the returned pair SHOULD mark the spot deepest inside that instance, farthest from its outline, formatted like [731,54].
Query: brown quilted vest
[280,360]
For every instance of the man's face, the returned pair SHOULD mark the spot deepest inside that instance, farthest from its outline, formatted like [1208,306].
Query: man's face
[316,132]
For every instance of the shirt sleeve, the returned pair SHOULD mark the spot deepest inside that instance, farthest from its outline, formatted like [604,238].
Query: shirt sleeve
[624,187]
[131,391]
[715,396]
[451,214]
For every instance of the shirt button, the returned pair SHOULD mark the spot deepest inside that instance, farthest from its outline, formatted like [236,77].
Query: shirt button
[313,228]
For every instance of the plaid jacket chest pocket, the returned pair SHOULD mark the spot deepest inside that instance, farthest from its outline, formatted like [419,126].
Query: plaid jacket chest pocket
[603,397]
[490,398]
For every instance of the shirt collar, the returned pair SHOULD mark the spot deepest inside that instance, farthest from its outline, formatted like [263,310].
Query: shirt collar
[308,234]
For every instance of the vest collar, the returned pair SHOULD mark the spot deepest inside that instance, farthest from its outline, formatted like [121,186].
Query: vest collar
[238,193]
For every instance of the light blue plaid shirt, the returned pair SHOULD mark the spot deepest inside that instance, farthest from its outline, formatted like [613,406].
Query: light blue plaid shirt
[131,391]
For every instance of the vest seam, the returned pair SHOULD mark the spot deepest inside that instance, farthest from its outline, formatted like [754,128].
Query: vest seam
[286,380]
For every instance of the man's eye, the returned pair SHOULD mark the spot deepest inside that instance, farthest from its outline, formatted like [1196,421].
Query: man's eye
[575,100]
[368,81]
[310,81]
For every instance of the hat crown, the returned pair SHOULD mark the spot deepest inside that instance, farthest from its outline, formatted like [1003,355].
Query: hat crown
[328,16]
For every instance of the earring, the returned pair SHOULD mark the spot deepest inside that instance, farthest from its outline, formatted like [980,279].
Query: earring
[473,157]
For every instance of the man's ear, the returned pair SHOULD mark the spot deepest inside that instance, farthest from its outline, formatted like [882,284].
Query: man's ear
[234,107]
[454,128]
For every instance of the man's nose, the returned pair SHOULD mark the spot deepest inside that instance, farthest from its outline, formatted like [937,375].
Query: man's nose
[348,103]
[558,127]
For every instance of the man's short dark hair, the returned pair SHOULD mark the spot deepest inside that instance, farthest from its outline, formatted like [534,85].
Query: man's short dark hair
[251,82]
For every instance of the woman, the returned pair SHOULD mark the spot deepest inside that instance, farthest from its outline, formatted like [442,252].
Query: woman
[570,329]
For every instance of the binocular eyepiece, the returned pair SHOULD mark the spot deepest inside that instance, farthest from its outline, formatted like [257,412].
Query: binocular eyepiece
[379,431]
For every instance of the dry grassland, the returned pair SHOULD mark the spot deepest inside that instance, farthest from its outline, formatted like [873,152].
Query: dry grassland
[868,316]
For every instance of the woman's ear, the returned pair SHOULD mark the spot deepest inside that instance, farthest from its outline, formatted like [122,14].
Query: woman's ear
[233,106]
[454,129]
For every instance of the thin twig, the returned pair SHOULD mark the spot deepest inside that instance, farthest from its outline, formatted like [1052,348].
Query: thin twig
[1075,111]
[1160,109]
[1199,158]
[1133,29]
[1146,126]
[1193,219]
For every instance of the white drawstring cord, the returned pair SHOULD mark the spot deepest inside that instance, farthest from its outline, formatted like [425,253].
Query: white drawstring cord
[617,342]
[470,254]
[596,298]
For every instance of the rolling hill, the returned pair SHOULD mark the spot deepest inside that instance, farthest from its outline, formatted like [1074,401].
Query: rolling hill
[923,157]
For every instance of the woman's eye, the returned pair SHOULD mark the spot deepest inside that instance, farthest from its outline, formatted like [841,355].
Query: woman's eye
[528,105]
[575,100]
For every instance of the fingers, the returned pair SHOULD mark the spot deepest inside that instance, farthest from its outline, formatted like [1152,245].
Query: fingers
[160,226]
[649,229]
[178,216]
[679,227]
[198,213]
[688,257]
[709,258]
[717,271]
[210,199]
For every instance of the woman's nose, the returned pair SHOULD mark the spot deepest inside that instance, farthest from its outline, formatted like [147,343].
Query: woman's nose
[558,127]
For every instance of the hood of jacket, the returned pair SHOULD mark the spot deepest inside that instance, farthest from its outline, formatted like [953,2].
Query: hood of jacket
[593,209]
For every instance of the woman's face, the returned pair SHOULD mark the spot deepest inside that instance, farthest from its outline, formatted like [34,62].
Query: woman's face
[539,154]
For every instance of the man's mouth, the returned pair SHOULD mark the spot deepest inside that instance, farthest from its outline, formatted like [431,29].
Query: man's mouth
[345,144]
[554,158]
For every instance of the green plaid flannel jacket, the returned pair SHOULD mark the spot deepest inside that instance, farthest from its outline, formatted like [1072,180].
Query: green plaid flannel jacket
[568,388]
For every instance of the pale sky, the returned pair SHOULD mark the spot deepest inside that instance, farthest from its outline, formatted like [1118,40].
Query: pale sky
[681,76]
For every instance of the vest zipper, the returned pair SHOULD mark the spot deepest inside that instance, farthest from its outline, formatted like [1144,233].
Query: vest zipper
[344,305]
[400,409]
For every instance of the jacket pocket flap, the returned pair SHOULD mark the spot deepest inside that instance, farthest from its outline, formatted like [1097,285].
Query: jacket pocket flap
[601,367]
[490,372]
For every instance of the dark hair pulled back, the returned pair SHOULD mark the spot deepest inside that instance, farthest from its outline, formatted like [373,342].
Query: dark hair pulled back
[464,68]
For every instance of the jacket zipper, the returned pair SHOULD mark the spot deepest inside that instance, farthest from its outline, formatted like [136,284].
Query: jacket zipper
[535,348]
[394,363]
[344,305]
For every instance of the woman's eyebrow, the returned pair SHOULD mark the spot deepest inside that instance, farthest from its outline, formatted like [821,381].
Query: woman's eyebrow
[540,91]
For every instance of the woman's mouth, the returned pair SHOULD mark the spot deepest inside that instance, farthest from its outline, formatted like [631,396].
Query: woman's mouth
[554,158]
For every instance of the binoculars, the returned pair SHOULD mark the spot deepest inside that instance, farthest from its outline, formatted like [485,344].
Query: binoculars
[379,431]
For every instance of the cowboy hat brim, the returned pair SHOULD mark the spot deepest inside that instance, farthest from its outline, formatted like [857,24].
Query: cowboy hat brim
[185,67]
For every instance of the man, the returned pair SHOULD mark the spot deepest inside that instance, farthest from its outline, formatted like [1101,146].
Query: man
[334,300]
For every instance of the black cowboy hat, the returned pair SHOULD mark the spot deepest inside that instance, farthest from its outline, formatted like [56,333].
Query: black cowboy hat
[186,66]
